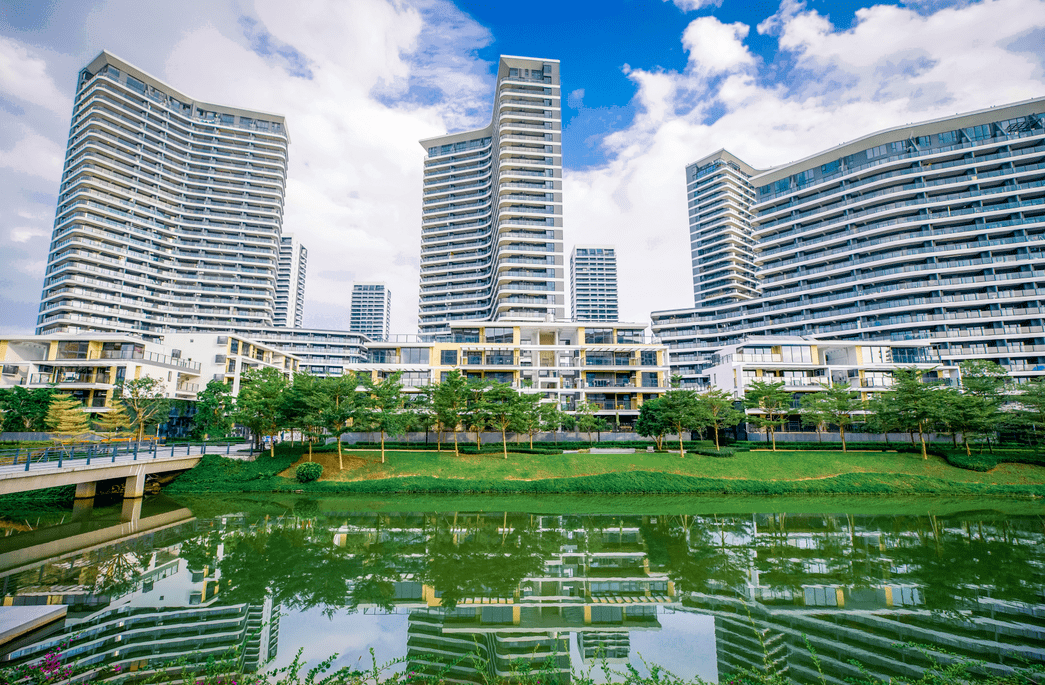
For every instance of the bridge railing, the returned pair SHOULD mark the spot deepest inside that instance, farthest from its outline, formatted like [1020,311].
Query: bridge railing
[99,452]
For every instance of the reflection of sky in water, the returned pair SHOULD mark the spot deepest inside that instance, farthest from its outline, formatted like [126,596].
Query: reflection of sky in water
[349,635]
[685,645]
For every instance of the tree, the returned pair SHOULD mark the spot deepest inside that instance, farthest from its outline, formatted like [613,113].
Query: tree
[584,415]
[449,401]
[980,410]
[884,416]
[836,404]
[531,414]
[718,405]
[917,403]
[477,414]
[145,401]
[681,411]
[335,402]
[66,418]
[214,407]
[420,415]
[505,410]
[300,407]
[1030,410]
[552,417]
[770,405]
[25,409]
[260,404]
[812,414]
[650,423]
[113,423]
[382,407]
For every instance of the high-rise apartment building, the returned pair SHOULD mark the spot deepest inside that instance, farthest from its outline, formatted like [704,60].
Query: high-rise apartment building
[371,310]
[491,228]
[931,232]
[290,282]
[593,283]
[169,211]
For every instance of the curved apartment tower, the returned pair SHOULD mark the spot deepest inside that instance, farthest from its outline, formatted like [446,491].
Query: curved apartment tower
[169,212]
[491,227]
[932,231]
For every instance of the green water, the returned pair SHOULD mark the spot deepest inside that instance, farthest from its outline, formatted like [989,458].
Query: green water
[700,586]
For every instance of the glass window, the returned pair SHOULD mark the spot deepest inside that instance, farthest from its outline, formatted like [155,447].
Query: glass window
[830,167]
[466,335]
[500,358]
[598,336]
[135,84]
[415,355]
[448,357]
[649,358]
[500,335]
[625,337]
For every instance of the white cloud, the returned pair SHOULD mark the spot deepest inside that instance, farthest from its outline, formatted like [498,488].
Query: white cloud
[34,155]
[576,98]
[715,47]
[31,267]
[893,66]
[24,234]
[693,5]
[24,76]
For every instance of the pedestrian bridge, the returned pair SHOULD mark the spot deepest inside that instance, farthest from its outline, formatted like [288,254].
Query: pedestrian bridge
[86,473]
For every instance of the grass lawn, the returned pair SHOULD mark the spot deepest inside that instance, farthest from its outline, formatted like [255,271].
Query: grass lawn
[754,465]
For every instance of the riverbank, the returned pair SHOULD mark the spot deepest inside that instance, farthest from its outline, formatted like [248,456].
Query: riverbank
[754,473]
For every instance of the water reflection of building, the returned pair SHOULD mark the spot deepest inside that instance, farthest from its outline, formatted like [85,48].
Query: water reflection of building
[140,605]
[859,589]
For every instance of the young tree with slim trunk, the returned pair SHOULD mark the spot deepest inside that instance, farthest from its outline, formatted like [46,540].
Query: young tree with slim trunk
[984,385]
[584,415]
[651,424]
[260,404]
[531,414]
[552,418]
[66,418]
[383,408]
[113,423]
[770,403]
[681,411]
[334,404]
[143,398]
[301,407]
[718,405]
[449,401]
[505,410]
[477,414]
[884,417]
[917,403]
[836,404]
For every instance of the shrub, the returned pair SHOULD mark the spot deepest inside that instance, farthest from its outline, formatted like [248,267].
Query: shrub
[704,451]
[308,472]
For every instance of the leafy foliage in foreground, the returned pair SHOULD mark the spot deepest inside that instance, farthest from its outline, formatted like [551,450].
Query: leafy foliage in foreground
[311,471]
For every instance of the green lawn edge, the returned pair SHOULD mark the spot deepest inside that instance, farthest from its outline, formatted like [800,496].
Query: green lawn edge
[216,474]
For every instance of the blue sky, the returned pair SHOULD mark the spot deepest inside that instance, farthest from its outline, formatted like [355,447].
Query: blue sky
[649,86]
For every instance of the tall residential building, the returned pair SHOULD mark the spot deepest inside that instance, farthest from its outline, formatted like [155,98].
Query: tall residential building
[593,283]
[290,282]
[491,228]
[169,211]
[929,232]
[371,310]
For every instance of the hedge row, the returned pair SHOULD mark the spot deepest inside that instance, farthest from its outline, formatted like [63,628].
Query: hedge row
[218,474]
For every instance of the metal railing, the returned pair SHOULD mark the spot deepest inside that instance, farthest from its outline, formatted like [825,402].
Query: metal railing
[82,454]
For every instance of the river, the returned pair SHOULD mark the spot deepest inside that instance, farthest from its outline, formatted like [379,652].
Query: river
[479,587]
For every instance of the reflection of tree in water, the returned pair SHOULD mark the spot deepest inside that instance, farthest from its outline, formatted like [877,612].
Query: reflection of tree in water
[485,554]
[119,573]
[956,563]
[699,553]
[201,552]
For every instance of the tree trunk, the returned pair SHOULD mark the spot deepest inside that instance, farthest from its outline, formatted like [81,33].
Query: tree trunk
[457,452]
[717,448]
[841,431]
[965,439]
[382,446]
[340,462]
[531,441]
[439,441]
[921,436]
[272,447]
[310,449]
[682,450]
[772,436]
[504,443]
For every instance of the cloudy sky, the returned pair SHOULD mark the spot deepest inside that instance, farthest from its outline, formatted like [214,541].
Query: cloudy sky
[649,86]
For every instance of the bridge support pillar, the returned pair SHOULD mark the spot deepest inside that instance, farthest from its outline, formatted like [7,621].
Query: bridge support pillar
[82,507]
[132,510]
[85,490]
[134,488]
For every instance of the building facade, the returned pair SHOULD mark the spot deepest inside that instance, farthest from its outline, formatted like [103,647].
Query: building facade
[290,283]
[371,310]
[169,211]
[491,228]
[593,283]
[931,232]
